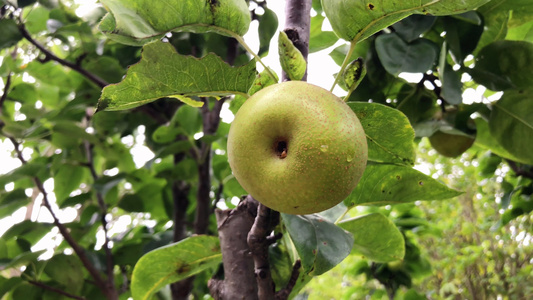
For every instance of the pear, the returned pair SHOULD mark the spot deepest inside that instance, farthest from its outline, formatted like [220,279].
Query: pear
[450,145]
[297,148]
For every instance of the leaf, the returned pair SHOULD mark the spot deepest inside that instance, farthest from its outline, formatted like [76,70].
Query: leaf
[410,28]
[11,201]
[389,134]
[398,56]
[139,22]
[10,33]
[503,65]
[27,170]
[451,89]
[485,140]
[67,179]
[172,263]
[7,284]
[318,39]
[384,184]
[462,35]
[417,103]
[357,19]
[511,123]
[291,59]
[28,230]
[376,237]
[164,73]
[320,243]
[354,74]
[268,25]
[66,270]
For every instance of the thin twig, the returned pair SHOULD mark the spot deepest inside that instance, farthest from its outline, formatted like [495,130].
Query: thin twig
[103,211]
[263,225]
[80,252]
[49,55]
[284,293]
[519,171]
[55,290]
[3,98]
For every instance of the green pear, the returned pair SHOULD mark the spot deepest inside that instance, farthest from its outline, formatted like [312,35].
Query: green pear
[450,145]
[297,148]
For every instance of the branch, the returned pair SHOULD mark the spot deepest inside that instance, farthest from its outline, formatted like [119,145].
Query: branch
[519,171]
[64,231]
[233,227]
[284,293]
[55,290]
[264,223]
[110,286]
[3,98]
[6,90]
[50,56]
[298,26]
[211,120]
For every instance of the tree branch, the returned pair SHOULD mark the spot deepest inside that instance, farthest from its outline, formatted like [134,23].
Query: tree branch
[110,286]
[284,293]
[80,252]
[298,26]
[233,228]
[211,120]
[519,171]
[50,56]
[55,290]
[264,223]
[3,98]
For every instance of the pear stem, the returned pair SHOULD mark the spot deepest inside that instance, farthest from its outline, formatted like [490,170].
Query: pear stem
[243,43]
[344,65]
[342,216]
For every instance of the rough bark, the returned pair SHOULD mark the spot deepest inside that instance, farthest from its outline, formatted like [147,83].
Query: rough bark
[233,227]
[258,242]
[298,26]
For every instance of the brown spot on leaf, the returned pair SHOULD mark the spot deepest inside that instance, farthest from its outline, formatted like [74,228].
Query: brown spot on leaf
[371,6]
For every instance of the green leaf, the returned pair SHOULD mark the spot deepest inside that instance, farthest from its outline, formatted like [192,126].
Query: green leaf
[139,22]
[503,65]
[10,33]
[410,28]
[164,73]
[7,284]
[463,35]
[30,231]
[511,123]
[384,184]
[27,170]
[22,259]
[268,25]
[417,103]
[398,56]
[172,263]
[320,243]
[11,201]
[386,143]
[376,237]
[485,140]
[357,19]
[66,270]
[339,53]
[451,89]
[291,59]
[67,179]
[354,74]
[318,39]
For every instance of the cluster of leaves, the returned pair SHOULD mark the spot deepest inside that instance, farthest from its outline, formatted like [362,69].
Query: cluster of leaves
[457,248]
[55,64]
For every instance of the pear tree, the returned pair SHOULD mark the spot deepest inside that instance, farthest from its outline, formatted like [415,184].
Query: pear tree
[129,181]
